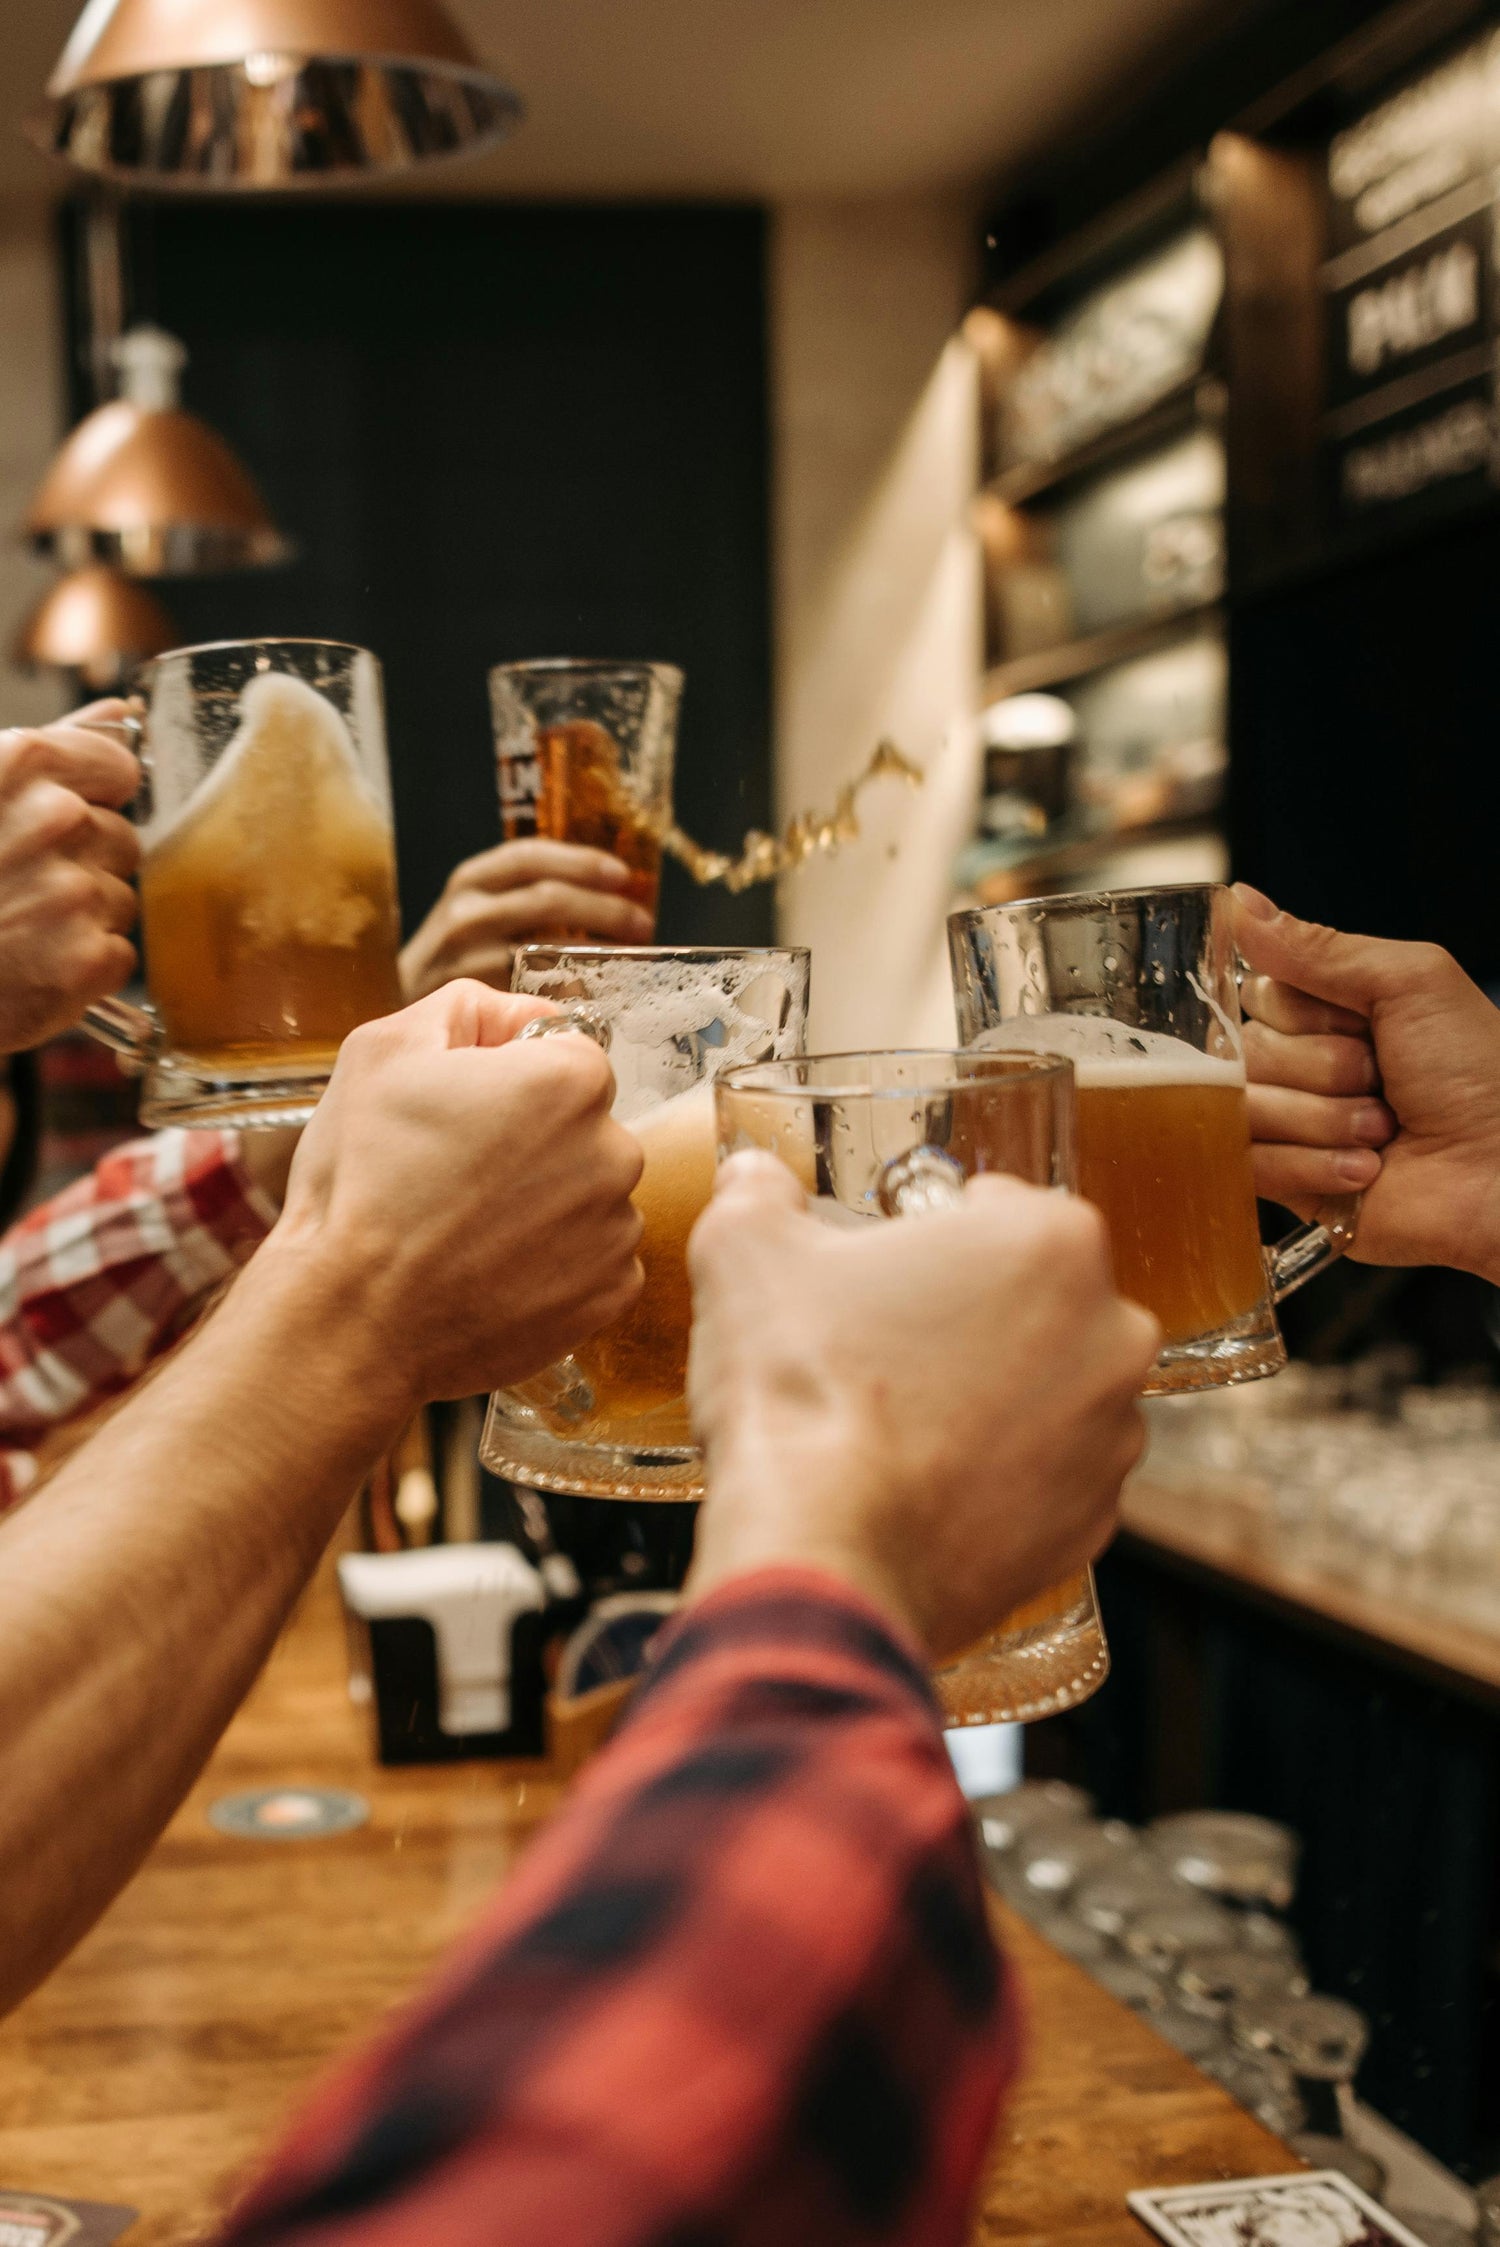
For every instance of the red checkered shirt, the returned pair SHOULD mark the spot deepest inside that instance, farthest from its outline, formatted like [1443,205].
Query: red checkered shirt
[741,1992]
[94,1283]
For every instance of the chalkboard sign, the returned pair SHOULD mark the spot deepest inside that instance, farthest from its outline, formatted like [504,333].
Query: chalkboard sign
[1410,299]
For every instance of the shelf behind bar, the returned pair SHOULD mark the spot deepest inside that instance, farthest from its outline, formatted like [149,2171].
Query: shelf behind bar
[1053,667]
[1199,398]
[1006,881]
[1212,1526]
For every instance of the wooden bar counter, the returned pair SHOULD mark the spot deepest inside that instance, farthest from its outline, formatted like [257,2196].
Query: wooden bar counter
[156,2063]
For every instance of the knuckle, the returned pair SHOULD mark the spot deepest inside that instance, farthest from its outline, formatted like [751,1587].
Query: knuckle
[1435,966]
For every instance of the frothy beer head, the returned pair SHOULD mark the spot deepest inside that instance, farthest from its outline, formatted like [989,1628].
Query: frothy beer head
[268,905]
[637,1368]
[1164,1152]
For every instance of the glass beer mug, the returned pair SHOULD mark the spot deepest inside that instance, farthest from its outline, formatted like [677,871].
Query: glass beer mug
[611,1420]
[1139,989]
[269,917]
[877,1135]
[584,754]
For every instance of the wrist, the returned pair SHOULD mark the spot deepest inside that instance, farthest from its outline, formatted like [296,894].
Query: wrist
[299,1306]
[815,1502]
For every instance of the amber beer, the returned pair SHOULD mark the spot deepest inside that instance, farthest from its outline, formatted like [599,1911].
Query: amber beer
[1164,1152]
[637,1368]
[268,908]
[1053,1640]
[568,783]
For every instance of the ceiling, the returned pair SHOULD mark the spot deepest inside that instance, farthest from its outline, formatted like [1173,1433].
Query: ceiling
[758,98]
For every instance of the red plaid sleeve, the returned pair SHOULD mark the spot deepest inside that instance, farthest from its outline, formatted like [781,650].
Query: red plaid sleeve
[94,1283]
[740,1993]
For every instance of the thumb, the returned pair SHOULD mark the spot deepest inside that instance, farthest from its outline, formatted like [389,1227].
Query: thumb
[1349,971]
[754,1194]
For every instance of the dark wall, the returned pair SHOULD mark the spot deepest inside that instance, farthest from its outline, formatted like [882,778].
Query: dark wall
[1365,721]
[494,431]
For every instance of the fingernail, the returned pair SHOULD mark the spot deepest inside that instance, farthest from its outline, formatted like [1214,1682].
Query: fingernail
[1373,1123]
[1358,1167]
[613,870]
[1255,902]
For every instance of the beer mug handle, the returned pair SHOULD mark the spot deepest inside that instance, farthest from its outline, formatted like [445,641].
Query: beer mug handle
[921,1180]
[1308,1249]
[577,1015]
[132,1032]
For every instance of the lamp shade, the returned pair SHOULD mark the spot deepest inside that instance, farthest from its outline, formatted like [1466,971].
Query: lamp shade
[154,490]
[94,622]
[267,93]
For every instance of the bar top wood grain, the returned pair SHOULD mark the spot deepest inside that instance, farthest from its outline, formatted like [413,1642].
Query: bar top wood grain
[160,2059]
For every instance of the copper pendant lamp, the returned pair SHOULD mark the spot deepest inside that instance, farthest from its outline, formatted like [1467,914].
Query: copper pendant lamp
[267,93]
[97,623]
[144,485]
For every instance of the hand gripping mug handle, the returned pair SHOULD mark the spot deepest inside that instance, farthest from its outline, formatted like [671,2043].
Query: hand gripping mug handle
[564,1388]
[1308,1249]
[577,1015]
[1329,1234]
[132,1032]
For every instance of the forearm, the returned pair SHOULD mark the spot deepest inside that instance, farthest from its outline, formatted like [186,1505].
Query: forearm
[742,1988]
[142,1588]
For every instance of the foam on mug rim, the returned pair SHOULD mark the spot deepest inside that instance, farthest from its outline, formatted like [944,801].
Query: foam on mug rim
[1110,1055]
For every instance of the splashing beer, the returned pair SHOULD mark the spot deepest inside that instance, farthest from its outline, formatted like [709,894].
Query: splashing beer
[585,754]
[268,907]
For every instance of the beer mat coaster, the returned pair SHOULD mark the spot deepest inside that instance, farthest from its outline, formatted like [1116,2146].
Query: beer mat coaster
[1314,2208]
[286,1814]
[42,2219]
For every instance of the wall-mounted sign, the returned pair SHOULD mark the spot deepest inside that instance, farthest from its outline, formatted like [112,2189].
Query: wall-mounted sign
[1434,137]
[1118,352]
[1424,305]
[1410,320]
[1438,450]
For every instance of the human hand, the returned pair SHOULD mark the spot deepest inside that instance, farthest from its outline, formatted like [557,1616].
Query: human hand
[516,894]
[464,1194]
[66,858]
[1374,1067]
[940,1409]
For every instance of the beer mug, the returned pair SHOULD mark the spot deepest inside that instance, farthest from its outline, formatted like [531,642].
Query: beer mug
[584,754]
[611,1420]
[1139,988]
[877,1135]
[269,918]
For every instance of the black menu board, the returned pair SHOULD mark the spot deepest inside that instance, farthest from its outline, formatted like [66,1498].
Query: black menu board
[1410,297]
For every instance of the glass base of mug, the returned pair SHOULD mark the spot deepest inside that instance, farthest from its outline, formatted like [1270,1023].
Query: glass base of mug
[1247,1349]
[519,1452]
[1016,1677]
[273,1100]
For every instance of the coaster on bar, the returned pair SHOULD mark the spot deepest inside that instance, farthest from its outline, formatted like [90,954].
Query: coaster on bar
[288,1813]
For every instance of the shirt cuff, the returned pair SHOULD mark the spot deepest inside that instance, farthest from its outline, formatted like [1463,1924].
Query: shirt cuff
[785,1607]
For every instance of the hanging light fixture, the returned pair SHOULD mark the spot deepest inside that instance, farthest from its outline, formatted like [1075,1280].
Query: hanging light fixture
[267,93]
[144,485]
[97,623]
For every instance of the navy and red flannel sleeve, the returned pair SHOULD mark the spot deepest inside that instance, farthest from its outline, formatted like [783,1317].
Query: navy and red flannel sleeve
[741,1992]
[96,1282]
